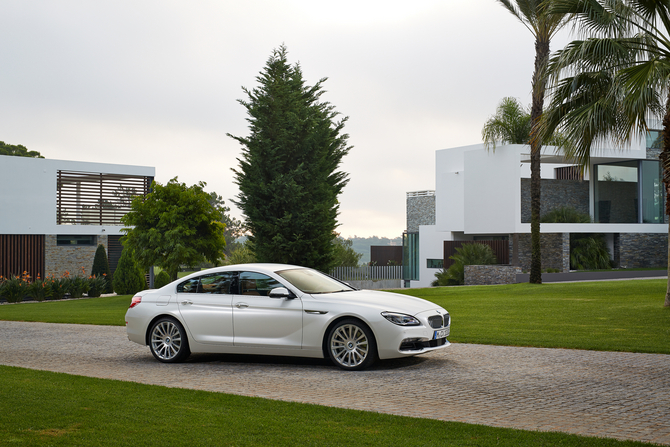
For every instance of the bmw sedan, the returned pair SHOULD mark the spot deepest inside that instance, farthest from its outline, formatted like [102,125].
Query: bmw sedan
[272,309]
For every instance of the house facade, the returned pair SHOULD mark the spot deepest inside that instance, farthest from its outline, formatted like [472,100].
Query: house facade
[54,213]
[484,194]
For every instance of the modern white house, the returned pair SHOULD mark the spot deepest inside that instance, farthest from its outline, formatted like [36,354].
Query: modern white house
[484,194]
[54,213]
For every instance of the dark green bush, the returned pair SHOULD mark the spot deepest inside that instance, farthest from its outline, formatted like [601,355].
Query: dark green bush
[128,277]
[162,279]
[565,214]
[589,252]
[97,286]
[101,268]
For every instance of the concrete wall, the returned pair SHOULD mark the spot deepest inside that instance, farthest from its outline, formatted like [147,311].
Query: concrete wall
[28,199]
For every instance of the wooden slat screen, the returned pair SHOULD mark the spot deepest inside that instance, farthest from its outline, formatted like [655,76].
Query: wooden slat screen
[500,249]
[21,253]
[89,198]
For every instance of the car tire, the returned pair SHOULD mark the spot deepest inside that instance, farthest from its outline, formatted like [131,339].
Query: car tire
[351,345]
[168,341]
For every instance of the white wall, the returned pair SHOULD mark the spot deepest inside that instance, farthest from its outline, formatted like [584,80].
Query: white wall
[431,246]
[28,194]
[493,190]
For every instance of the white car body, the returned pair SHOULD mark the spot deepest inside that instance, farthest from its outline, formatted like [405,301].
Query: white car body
[295,325]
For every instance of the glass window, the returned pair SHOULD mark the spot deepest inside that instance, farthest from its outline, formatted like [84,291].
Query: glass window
[75,239]
[616,192]
[410,256]
[311,281]
[654,139]
[435,263]
[651,192]
[629,192]
[218,283]
[252,283]
[189,286]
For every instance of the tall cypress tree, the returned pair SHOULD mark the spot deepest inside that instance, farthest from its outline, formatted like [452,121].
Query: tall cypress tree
[287,174]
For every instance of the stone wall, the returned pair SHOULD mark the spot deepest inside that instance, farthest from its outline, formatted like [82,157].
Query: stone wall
[555,248]
[420,211]
[556,194]
[637,250]
[490,274]
[61,259]
[653,154]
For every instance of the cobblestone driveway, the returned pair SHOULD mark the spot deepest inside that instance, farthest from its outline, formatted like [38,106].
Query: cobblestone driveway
[617,395]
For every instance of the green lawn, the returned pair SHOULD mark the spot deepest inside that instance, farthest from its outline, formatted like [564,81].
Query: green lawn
[608,316]
[44,408]
[105,310]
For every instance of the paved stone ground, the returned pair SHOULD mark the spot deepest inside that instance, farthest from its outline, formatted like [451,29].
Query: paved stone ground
[606,394]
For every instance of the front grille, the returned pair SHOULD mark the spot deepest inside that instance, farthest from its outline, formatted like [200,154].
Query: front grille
[435,321]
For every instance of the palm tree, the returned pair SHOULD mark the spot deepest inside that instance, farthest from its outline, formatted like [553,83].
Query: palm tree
[617,79]
[535,16]
[509,125]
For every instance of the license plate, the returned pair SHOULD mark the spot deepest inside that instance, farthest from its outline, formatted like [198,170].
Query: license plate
[442,333]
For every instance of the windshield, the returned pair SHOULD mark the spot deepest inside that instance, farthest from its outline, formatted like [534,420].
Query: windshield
[311,281]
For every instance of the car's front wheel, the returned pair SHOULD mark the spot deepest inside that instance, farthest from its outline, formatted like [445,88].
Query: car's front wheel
[351,345]
[168,341]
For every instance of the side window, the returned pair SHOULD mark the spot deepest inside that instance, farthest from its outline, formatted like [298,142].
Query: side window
[257,284]
[189,286]
[218,283]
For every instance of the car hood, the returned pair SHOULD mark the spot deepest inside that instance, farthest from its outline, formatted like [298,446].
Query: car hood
[383,301]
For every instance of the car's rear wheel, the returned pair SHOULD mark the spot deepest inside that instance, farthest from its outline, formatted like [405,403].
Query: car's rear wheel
[351,345]
[168,341]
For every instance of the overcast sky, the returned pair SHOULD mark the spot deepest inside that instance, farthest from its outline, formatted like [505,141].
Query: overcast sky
[156,83]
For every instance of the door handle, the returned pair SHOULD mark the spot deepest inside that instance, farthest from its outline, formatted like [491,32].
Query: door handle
[185,302]
[241,305]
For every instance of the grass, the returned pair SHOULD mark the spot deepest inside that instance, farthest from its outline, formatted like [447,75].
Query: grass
[44,408]
[607,316]
[108,311]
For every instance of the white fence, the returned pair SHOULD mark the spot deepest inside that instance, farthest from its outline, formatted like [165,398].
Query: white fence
[370,277]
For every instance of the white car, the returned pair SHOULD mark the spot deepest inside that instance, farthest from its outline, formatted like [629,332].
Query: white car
[273,309]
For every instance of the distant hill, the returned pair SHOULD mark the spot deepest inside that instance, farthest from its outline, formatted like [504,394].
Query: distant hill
[362,245]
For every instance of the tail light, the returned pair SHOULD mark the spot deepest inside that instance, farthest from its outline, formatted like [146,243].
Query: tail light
[135,301]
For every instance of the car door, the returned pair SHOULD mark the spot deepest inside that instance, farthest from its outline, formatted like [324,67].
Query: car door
[262,321]
[205,307]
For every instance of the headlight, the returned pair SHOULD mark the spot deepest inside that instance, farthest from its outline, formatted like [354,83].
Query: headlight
[401,319]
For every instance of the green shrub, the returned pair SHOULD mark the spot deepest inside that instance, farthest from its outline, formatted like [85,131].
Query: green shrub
[589,252]
[77,286]
[243,254]
[57,287]
[128,277]
[162,279]
[565,214]
[101,268]
[97,286]
[39,290]
[468,254]
[14,289]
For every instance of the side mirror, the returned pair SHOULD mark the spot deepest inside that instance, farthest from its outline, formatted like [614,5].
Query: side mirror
[281,292]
